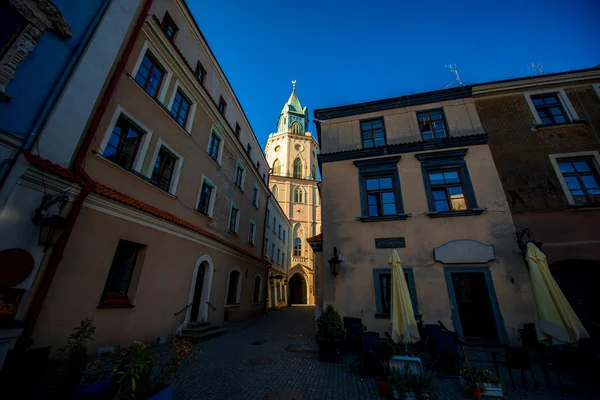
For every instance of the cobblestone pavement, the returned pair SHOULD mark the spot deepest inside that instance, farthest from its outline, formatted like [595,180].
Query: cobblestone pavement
[235,366]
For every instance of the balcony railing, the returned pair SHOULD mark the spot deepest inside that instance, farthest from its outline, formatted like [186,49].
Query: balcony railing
[288,175]
[299,259]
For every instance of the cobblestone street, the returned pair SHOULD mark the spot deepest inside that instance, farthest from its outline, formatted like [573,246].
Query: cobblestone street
[277,351]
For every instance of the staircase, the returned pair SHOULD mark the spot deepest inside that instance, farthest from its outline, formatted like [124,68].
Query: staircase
[199,331]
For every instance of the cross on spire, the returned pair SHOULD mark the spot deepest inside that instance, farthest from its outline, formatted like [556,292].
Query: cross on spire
[294,85]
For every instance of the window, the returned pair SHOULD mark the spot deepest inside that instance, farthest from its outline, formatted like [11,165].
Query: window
[379,182]
[549,108]
[274,223]
[299,196]
[279,230]
[169,27]
[447,184]
[121,272]
[273,251]
[180,108]
[264,177]
[278,288]
[233,219]
[251,232]
[277,167]
[268,217]
[256,293]
[233,287]
[257,165]
[249,149]
[266,246]
[381,196]
[278,256]
[313,172]
[222,106]
[123,144]
[205,198]
[283,258]
[213,146]
[296,128]
[297,247]
[239,177]
[255,197]
[200,73]
[298,168]
[274,191]
[432,124]
[237,130]
[150,75]
[12,25]
[372,132]
[382,279]
[284,236]
[581,177]
[164,167]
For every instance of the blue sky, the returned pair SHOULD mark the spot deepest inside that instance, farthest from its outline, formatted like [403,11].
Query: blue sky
[344,52]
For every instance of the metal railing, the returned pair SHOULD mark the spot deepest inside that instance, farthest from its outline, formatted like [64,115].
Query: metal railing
[288,175]
[183,309]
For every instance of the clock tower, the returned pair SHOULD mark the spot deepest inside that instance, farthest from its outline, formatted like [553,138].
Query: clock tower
[292,155]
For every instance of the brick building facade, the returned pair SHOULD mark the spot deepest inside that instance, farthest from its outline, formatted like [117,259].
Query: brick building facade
[537,128]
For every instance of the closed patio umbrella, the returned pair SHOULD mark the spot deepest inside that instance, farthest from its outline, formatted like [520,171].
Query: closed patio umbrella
[404,326]
[556,322]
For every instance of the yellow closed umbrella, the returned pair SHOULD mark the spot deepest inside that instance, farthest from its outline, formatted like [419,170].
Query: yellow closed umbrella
[556,322]
[404,326]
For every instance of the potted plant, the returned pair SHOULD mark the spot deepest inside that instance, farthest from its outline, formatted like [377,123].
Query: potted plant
[484,380]
[382,352]
[76,348]
[138,377]
[115,298]
[95,379]
[422,385]
[330,331]
[399,383]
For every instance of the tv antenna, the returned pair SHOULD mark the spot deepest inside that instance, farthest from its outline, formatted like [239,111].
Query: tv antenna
[455,70]
[537,68]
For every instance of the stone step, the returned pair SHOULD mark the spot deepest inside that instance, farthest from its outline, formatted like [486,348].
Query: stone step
[197,324]
[198,330]
[203,336]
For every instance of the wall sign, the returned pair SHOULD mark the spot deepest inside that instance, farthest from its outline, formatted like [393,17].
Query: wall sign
[390,243]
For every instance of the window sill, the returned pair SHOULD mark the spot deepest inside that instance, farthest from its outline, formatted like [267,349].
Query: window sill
[251,244]
[204,215]
[213,160]
[395,217]
[575,122]
[465,213]
[232,305]
[232,233]
[239,188]
[255,205]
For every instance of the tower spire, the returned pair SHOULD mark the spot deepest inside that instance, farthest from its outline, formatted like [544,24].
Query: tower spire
[294,85]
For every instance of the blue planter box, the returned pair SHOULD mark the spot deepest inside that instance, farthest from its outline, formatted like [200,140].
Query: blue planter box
[165,394]
[95,387]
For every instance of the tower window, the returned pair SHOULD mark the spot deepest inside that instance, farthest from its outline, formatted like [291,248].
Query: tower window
[277,167]
[297,168]
[296,130]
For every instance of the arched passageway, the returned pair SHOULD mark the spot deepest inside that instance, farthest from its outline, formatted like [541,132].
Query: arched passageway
[298,291]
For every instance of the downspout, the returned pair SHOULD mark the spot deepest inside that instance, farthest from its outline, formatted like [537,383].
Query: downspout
[56,257]
[58,87]
[263,242]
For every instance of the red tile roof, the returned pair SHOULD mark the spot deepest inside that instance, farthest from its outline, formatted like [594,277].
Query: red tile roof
[130,201]
[318,238]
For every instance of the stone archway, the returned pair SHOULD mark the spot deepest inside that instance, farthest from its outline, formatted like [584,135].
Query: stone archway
[298,290]
[200,290]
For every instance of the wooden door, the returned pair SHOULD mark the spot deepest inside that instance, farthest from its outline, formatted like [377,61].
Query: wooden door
[474,306]
[198,292]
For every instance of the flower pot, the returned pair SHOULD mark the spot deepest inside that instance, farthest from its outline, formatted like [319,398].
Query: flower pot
[476,394]
[96,387]
[384,386]
[329,350]
[165,394]
[491,390]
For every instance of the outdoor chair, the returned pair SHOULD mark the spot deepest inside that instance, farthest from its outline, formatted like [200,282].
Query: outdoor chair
[519,358]
[353,333]
[443,345]
[369,365]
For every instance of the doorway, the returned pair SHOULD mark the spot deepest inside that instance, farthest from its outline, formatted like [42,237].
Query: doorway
[199,285]
[475,311]
[298,292]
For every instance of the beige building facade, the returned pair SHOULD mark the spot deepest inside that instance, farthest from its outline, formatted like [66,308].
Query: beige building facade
[292,155]
[278,250]
[172,229]
[416,174]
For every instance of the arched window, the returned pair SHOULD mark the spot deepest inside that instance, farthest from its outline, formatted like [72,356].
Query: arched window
[234,287]
[297,247]
[313,172]
[299,196]
[257,286]
[277,167]
[296,128]
[298,168]
[274,191]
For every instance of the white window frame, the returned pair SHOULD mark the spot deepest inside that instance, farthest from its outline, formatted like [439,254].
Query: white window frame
[214,130]
[562,96]
[240,165]
[144,144]
[257,195]
[213,195]
[554,161]
[239,288]
[237,220]
[191,111]
[260,289]
[162,92]
[252,238]
[177,169]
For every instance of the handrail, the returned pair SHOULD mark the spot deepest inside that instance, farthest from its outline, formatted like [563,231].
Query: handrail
[212,306]
[183,309]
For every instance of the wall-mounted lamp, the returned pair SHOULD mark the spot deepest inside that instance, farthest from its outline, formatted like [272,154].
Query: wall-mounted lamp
[524,237]
[334,263]
[51,226]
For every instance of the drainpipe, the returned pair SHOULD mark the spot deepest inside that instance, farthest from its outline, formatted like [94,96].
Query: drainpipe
[56,257]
